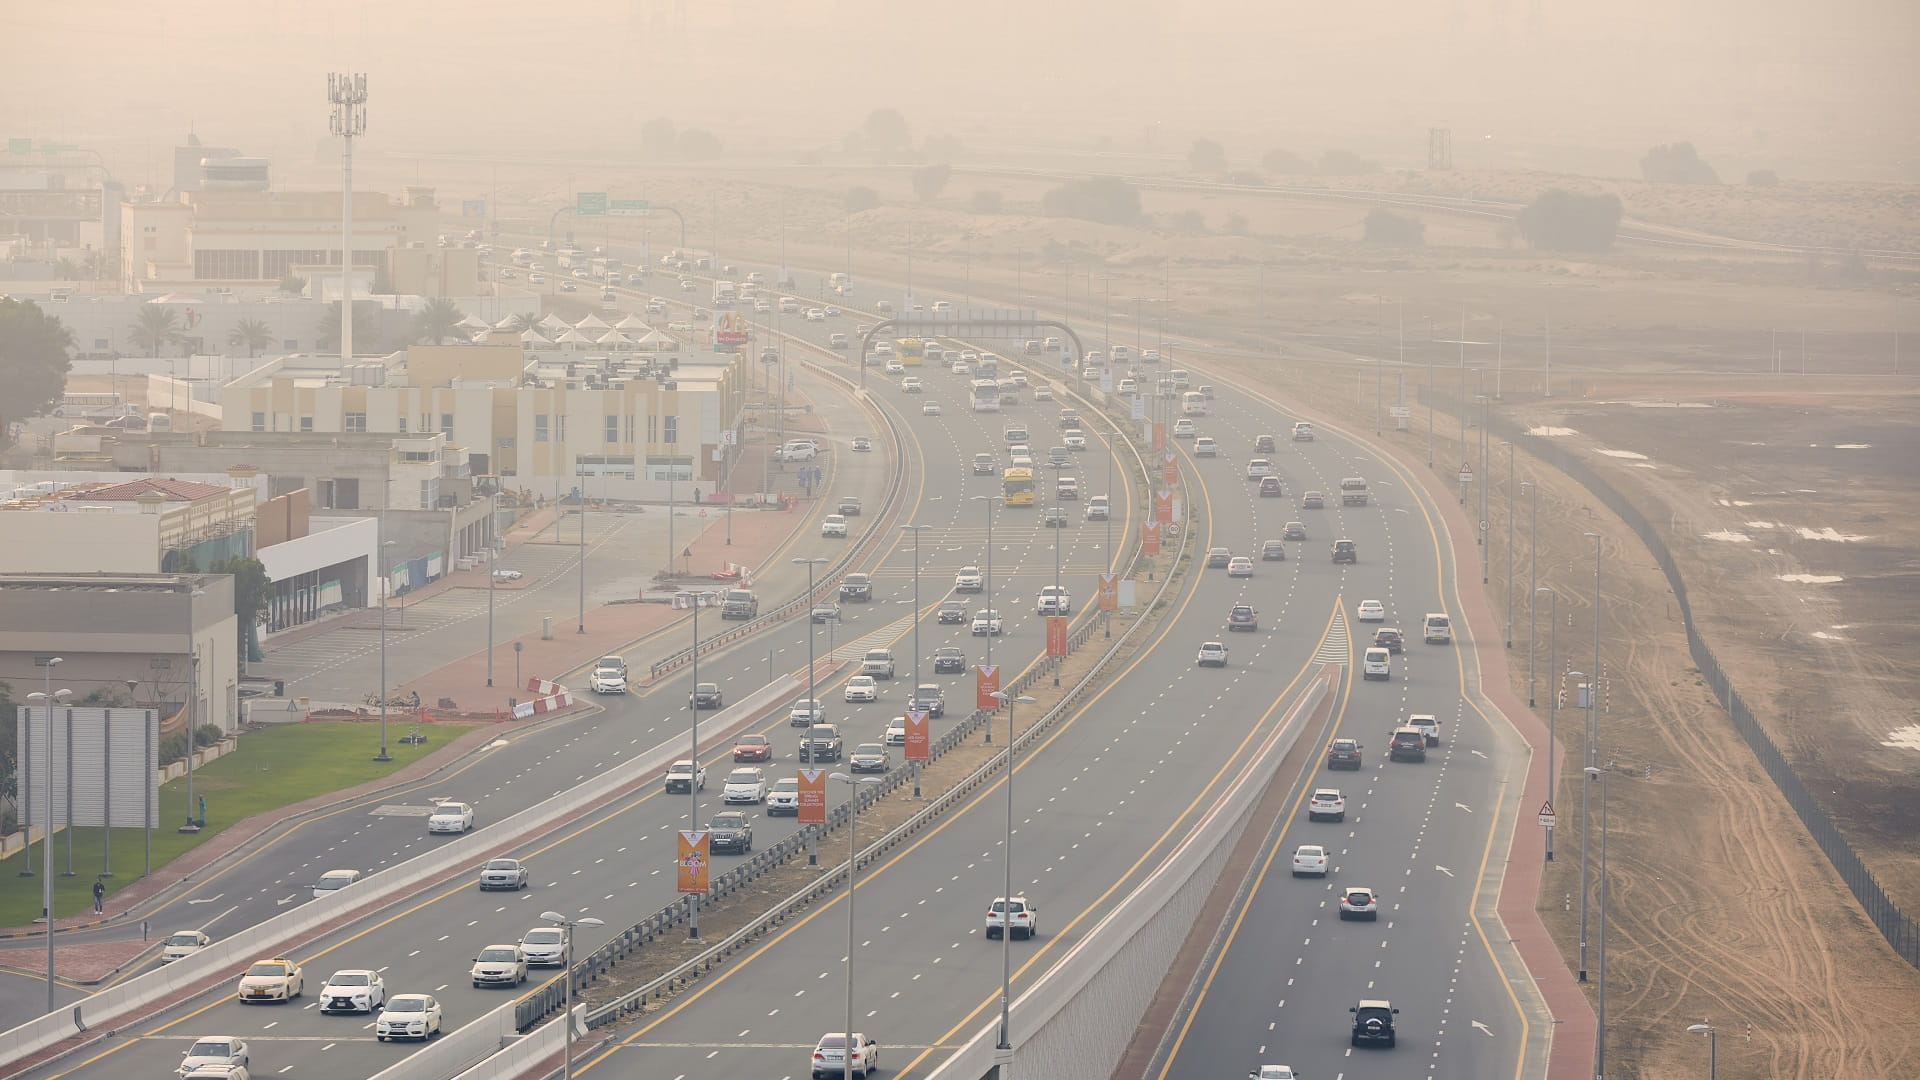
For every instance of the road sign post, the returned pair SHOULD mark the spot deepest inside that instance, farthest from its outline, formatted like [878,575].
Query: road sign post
[590,204]
[1546,814]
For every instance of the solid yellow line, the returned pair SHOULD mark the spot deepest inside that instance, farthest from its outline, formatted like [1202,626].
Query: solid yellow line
[1259,883]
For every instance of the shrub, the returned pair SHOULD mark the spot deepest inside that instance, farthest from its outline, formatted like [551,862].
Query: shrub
[1346,163]
[1386,227]
[1106,199]
[1286,162]
[861,198]
[930,180]
[1566,221]
[1207,156]
[1676,163]
[986,202]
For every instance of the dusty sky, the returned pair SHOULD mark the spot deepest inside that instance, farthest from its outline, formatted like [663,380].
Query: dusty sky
[1811,87]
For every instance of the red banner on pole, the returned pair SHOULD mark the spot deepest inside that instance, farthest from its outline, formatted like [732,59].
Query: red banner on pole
[813,797]
[693,860]
[1159,435]
[986,683]
[1056,635]
[917,740]
[1150,537]
[1163,507]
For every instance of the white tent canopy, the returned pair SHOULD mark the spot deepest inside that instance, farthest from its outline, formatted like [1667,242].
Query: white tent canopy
[534,337]
[573,337]
[614,337]
[591,322]
[632,322]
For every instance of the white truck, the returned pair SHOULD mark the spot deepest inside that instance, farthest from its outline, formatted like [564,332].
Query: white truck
[1353,491]
[725,293]
[878,663]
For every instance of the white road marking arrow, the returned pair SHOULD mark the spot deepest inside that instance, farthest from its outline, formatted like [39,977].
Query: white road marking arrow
[1443,870]
[1477,754]
[285,900]
[1463,806]
[1484,1028]
[208,900]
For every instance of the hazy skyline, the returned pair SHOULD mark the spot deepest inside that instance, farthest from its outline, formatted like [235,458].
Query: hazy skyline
[1807,87]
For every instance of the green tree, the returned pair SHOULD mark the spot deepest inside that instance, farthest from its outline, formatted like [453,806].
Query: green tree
[1286,163]
[699,144]
[1567,221]
[1676,163]
[886,130]
[251,335]
[9,758]
[1106,199]
[293,285]
[1207,156]
[1192,222]
[36,352]
[861,198]
[986,202]
[930,180]
[250,592]
[1236,225]
[155,328]
[1386,227]
[658,138]
[366,325]
[437,322]
[524,321]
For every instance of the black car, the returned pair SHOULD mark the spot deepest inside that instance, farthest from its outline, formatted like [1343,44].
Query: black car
[953,611]
[822,743]
[857,588]
[948,660]
[1243,617]
[730,832]
[1343,754]
[1373,1023]
[1218,558]
[1407,744]
[1345,551]
[928,697]
[850,506]
[1263,444]
[1389,638]
[1295,530]
[1273,551]
[706,695]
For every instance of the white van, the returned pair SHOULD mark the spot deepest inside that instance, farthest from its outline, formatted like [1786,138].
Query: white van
[1376,665]
[1438,629]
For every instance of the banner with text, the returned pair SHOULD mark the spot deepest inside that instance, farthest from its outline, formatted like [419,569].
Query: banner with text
[986,683]
[813,797]
[1150,538]
[918,743]
[693,860]
[1056,636]
[1109,592]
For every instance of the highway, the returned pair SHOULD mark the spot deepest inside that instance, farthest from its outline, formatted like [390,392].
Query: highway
[616,863]
[931,989]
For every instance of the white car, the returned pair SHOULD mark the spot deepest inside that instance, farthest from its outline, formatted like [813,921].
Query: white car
[499,965]
[967,580]
[453,817]
[409,1016]
[830,1056]
[747,785]
[1428,724]
[863,688]
[214,1050]
[278,979]
[783,797]
[1311,859]
[1212,654]
[1372,611]
[1327,803]
[1184,429]
[815,314]
[354,990]
[1013,914]
[544,946]
[895,367]
[1054,600]
[1259,469]
[333,881]
[911,385]
[609,676]
[509,874]
[183,943]
[1359,903]
[1074,440]
[834,525]
[931,408]
[1204,446]
[1273,1072]
[962,369]
[1240,566]
[685,777]
[507,575]
[986,622]
[806,712]
[896,733]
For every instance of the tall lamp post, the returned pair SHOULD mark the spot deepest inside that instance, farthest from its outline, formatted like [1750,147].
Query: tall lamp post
[1553,707]
[382,755]
[49,698]
[916,530]
[1005,1046]
[1113,561]
[987,584]
[1600,1026]
[1713,1047]
[1533,582]
[810,563]
[853,872]
[566,987]
[493,571]
[693,789]
[1059,470]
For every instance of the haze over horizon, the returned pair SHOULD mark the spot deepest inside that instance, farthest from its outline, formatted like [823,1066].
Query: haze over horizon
[1814,90]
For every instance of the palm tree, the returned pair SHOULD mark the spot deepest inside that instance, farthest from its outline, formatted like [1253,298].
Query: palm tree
[365,325]
[253,334]
[155,328]
[438,321]
[523,322]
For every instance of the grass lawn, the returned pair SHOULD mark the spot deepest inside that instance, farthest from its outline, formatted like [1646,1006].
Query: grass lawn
[273,768]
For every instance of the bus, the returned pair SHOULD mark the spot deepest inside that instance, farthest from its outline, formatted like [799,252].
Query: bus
[986,395]
[911,351]
[1193,403]
[1016,486]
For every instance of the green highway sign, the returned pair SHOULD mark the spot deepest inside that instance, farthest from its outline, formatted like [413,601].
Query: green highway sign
[590,204]
[628,208]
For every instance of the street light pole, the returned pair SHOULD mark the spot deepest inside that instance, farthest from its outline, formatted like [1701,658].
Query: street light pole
[1553,707]
[493,555]
[693,789]
[812,703]
[1005,1045]
[1113,561]
[1511,507]
[382,755]
[580,499]
[1713,1047]
[50,698]
[853,872]
[566,986]
[1533,580]
[987,584]
[916,530]
[1600,1026]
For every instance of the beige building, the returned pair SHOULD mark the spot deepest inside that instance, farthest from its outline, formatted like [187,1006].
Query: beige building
[150,525]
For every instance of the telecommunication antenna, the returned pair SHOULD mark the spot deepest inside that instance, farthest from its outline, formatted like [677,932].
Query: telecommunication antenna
[348,95]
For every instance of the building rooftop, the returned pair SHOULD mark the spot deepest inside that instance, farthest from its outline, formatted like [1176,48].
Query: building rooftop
[172,490]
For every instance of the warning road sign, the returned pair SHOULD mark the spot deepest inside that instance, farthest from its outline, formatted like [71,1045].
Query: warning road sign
[1466,473]
[1546,814]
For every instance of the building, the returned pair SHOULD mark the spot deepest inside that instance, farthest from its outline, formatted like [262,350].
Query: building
[160,640]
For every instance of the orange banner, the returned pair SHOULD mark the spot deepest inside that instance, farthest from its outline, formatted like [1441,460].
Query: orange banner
[1159,435]
[1150,537]
[917,737]
[986,683]
[813,797]
[1109,592]
[693,860]
[1163,507]
[1056,635]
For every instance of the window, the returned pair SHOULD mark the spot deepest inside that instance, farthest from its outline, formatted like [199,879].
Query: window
[653,428]
[429,489]
[613,429]
[306,423]
[226,265]
[259,421]
[355,421]
[403,425]
[446,422]
[540,427]
[672,430]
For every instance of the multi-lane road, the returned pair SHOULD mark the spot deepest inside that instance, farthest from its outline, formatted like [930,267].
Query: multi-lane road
[1098,802]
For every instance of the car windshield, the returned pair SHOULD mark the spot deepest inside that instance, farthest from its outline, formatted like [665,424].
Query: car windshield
[1358,897]
[1311,852]
[345,979]
[730,821]
[184,939]
[268,969]
[498,956]
[447,808]
[210,1048]
[407,1005]
[1375,1013]
[743,776]
[872,748]
[832,1042]
[544,937]
[503,864]
[751,740]
[789,784]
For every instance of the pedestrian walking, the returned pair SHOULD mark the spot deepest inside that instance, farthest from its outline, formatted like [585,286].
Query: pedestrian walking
[99,897]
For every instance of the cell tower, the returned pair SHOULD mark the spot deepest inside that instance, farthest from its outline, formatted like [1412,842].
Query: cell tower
[1439,149]
[348,94]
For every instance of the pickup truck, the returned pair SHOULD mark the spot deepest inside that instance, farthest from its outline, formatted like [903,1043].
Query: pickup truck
[856,588]
[1067,488]
[739,604]
[683,776]
[1054,600]
[1353,491]
[820,743]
